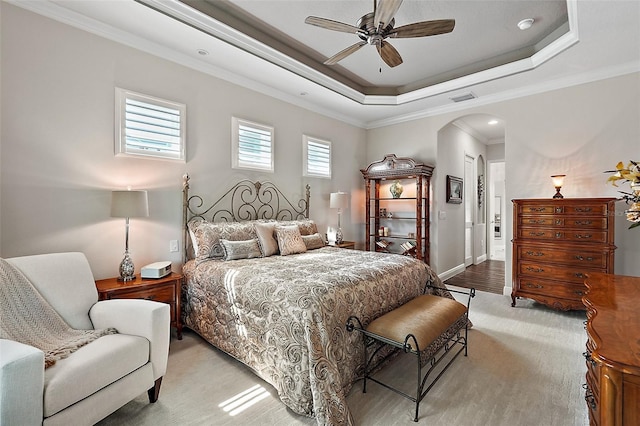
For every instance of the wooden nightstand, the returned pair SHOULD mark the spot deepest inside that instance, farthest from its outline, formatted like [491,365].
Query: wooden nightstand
[166,290]
[346,244]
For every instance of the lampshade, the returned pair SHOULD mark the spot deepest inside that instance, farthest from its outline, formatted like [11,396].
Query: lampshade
[557,183]
[558,180]
[129,204]
[339,200]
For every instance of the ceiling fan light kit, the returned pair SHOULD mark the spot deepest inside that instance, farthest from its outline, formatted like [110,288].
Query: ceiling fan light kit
[374,27]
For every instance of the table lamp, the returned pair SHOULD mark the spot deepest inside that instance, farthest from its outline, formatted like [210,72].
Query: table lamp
[339,200]
[128,204]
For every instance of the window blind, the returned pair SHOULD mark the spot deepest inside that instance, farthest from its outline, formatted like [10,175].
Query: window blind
[151,127]
[317,157]
[253,145]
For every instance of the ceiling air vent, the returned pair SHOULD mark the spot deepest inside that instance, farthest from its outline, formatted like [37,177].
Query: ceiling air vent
[463,97]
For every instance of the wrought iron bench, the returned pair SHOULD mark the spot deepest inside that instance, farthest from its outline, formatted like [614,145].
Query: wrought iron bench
[428,326]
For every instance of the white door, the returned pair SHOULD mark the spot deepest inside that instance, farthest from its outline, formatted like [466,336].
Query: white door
[469,178]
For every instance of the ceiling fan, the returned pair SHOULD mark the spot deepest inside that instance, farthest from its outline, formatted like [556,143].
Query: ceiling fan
[373,28]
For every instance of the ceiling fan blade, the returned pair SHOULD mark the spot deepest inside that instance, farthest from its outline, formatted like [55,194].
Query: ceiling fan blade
[389,54]
[385,11]
[344,53]
[424,29]
[332,25]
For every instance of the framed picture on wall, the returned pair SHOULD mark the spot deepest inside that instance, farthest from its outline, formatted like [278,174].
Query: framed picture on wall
[454,190]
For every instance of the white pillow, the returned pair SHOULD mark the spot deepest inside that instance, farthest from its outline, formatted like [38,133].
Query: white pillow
[266,240]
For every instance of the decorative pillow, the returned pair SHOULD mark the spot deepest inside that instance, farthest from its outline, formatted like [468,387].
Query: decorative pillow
[314,241]
[306,226]
[240,249]
[268,244]
[207,236]
[290,240]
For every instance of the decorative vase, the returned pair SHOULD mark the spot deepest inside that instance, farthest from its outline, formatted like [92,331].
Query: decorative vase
[396,189]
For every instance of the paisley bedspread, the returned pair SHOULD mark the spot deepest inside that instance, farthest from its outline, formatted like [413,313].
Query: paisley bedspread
[284,317]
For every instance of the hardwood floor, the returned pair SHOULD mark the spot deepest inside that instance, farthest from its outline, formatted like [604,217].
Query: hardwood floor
[486,276]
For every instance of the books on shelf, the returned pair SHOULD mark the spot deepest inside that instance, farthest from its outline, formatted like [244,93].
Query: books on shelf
[383,244]
[408,245]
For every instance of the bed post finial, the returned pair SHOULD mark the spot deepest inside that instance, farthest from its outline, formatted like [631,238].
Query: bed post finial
[308,197]
[185,205]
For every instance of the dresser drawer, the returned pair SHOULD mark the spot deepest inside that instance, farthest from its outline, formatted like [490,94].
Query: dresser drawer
[596,209]
[570,256]
[593,376]
[548,234]
[552,288]
[162,293]
[576,222]
[555,272]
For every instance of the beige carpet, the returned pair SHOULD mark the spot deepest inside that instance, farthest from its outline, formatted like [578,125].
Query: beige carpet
[525,367]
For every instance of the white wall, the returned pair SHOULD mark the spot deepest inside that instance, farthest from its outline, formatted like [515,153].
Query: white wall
[58,165]
[580,131]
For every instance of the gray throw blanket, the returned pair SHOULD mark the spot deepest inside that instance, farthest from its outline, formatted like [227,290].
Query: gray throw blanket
[26,317]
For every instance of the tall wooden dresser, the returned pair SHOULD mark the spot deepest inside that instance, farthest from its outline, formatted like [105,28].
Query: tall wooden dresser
[612,391]
[556,242]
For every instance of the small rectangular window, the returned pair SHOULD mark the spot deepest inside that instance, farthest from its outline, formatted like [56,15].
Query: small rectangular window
[149,127]
[316,157]
[252,145]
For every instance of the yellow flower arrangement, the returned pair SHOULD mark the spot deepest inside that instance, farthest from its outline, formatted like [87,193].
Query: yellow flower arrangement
[631,174]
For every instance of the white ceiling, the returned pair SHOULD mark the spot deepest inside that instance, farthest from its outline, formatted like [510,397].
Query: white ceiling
[595,39]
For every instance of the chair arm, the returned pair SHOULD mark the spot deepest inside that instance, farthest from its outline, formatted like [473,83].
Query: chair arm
[139,318]
[21,384]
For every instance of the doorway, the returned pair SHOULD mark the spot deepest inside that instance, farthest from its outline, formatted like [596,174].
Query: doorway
[497,206]
[468,199]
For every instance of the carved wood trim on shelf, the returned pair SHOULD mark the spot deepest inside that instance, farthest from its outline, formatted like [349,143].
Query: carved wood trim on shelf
[391,167]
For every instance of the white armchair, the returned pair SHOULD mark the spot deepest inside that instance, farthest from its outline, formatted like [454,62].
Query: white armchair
[101,376]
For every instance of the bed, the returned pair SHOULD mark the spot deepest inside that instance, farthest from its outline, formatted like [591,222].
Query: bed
[284,315]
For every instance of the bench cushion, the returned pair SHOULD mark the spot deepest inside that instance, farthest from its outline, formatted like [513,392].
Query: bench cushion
[426,317]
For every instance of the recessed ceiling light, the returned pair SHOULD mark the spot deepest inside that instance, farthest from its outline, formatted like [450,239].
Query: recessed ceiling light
[493,122]
[525,24]
[202,52]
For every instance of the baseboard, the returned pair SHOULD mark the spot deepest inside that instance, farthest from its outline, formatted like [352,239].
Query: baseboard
[506,291]
[481,259]
[451,272]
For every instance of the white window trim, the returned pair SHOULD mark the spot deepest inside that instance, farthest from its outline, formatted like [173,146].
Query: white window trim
[235,145]
[305,158]
[121,96]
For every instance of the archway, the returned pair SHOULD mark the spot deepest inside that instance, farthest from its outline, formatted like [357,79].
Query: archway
[469,136]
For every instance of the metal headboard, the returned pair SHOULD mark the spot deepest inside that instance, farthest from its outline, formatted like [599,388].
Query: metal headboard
[246,200]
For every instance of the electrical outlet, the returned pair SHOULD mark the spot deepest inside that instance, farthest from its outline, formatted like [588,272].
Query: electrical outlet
[173,246]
